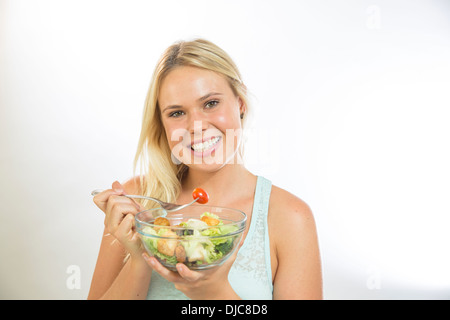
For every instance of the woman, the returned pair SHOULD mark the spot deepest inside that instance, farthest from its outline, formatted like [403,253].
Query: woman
[191,137]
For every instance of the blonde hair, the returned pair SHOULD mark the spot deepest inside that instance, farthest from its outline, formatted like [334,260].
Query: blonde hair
[160,177]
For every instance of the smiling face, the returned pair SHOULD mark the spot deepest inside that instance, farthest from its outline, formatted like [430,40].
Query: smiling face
[201,117]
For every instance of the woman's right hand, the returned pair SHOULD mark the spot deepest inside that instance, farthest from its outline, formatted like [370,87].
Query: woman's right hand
[119,217]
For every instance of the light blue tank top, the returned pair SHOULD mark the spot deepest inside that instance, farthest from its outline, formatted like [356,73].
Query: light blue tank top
[251,273]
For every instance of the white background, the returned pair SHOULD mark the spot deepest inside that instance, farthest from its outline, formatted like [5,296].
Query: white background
[351,113]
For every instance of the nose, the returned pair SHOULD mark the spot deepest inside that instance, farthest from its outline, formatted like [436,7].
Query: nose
[197,123]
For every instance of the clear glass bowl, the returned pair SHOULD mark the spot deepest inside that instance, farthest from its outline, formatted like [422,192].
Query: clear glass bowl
[199,245]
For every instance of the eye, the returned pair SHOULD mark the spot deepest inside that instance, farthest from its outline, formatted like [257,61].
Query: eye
[175,114]
[211,104]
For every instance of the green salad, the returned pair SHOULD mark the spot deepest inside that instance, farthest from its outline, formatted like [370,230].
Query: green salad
[193,242]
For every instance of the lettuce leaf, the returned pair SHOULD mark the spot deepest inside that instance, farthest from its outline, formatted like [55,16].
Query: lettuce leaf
[152,245]
[212,254]
[220,230]
[225,246]
[169,259]
[211,215]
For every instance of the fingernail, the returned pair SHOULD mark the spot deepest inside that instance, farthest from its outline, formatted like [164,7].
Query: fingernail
[150,261]
[180,268]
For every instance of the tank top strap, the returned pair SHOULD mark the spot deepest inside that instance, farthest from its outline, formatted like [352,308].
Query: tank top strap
[264,196]
[260,206]
[251,273]
[263,200]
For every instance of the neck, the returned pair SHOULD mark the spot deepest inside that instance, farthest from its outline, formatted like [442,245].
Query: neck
[221,184]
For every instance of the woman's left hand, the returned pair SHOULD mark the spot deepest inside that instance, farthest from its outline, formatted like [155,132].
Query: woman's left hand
[209,284]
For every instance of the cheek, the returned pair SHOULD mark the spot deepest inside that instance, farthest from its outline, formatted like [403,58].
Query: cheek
[230,120]
[171,133]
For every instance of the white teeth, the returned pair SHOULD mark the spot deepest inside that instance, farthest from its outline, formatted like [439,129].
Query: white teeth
[200,147]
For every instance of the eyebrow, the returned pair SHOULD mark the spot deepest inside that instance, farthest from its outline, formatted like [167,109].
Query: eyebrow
[206,96]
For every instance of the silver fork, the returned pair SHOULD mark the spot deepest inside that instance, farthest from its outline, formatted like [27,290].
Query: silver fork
[169,207]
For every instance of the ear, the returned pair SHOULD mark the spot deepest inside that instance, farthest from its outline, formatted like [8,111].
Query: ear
[242,106]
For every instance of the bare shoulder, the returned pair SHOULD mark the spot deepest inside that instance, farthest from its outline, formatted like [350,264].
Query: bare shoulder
[287,208]
[289,216]
[132,185]
[295,253]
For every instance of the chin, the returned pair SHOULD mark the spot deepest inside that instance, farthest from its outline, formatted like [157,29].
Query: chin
[210,165]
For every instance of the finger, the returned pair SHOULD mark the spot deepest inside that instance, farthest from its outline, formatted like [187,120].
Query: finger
[103,196]
[115,200]
[124,231]
[187,273]
[120,190]
[113,221]
[158,267]
[101,199]
[116,208]
[118,200]
[137,205]
[116,213]
[117,187]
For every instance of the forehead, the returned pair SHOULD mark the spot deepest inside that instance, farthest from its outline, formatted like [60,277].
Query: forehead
[184,84]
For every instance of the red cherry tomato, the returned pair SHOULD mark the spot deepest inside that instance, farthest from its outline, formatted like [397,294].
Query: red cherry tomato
[201,195]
